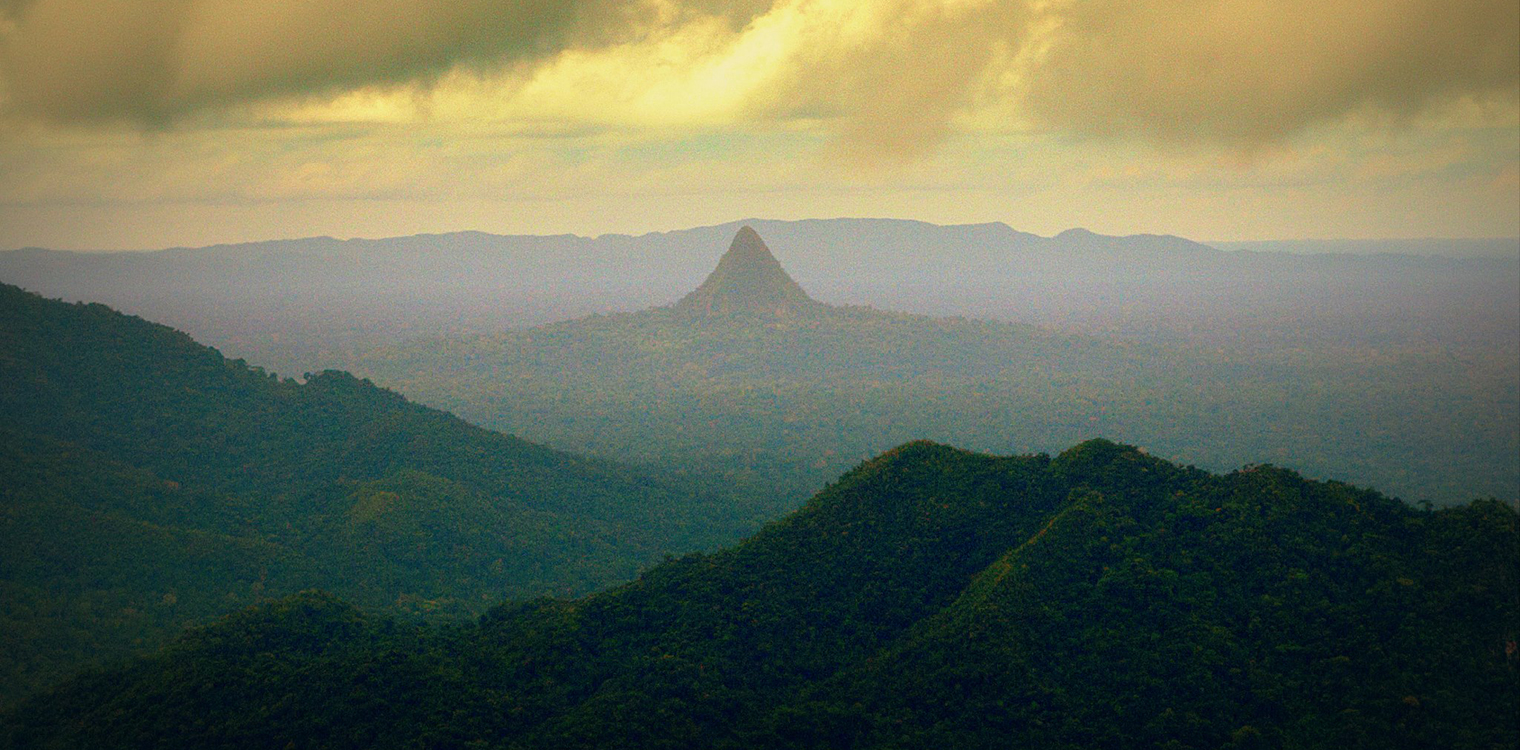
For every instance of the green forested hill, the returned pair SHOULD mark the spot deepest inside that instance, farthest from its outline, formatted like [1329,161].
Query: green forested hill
[149,483]
[930,598]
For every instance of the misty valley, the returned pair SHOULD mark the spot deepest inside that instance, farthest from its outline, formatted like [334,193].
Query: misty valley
[946,486]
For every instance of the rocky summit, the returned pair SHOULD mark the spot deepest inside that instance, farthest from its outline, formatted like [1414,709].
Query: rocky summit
[749,282]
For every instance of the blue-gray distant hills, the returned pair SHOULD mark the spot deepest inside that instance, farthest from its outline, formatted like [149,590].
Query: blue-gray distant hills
[290,304]
[1399,370]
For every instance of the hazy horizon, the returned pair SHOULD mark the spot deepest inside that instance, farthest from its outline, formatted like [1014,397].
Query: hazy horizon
[1312,245]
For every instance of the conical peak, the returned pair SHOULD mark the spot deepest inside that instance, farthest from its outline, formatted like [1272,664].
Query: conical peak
[747,235]
[748,280]
[749,260]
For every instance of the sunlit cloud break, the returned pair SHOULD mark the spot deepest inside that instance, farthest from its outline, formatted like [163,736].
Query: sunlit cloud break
[206,120]
[890,76]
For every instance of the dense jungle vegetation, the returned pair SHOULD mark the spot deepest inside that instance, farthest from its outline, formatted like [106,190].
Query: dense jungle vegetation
[150,483]
[930,598]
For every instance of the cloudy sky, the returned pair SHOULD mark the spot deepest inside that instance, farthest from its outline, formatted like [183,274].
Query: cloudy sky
[149,123]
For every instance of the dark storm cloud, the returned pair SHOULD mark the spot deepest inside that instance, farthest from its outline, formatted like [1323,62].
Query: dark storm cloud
[153,60]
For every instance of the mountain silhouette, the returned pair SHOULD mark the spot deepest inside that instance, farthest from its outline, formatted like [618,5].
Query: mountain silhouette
[750,282]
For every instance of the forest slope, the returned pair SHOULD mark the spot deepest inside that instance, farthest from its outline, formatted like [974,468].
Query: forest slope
[930,598]
[149,482]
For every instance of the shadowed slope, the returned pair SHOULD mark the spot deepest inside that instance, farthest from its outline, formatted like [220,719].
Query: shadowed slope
[931,598]
[148,483]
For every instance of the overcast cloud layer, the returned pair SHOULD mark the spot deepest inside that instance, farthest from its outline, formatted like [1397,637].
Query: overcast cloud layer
[1233,69]
[882,83]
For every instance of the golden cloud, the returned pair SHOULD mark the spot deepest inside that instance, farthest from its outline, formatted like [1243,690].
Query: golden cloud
[890,77]
[1258,70]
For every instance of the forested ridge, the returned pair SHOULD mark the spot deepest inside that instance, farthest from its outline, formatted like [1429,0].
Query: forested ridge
[150,483]
[929,598]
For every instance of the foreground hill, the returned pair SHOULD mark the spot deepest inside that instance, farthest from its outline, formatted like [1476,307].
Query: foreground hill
[147,482]
[751,378]
[930,598]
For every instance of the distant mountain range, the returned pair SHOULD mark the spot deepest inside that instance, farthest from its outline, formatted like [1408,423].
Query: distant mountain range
[1489,247]
[147,483]
[301,305]
[930,598]
[751,378]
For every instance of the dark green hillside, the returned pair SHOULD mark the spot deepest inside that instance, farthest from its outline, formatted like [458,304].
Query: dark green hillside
[931,598]
[1258,608]
[152,397]
[149,483]
[102,560]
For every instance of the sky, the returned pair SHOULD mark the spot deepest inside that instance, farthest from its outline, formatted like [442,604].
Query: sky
[134,124]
